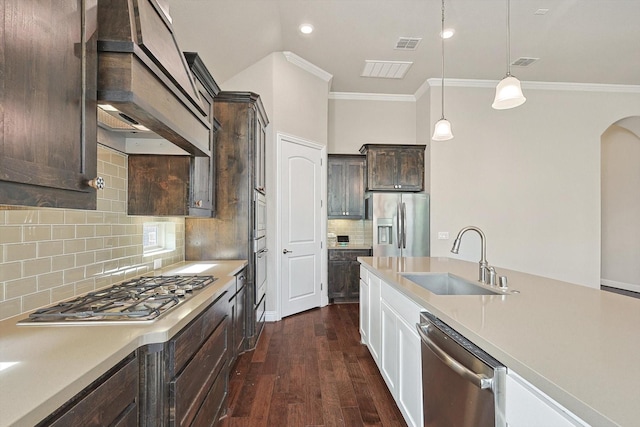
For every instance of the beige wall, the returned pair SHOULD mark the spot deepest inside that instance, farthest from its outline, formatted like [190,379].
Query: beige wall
[48,255]
[356,122]
[621,208]
[529,177]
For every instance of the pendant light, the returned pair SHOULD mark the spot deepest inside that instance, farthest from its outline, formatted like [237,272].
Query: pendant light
[442,129]
[508,92]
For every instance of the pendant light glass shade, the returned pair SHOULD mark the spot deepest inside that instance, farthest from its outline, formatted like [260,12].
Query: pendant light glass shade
[442,129]
[508,92]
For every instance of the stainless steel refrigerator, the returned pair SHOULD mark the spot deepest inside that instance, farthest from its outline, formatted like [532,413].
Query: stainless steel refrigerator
[400,223]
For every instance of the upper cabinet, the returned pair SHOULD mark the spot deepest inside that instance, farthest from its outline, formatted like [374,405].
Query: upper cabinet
[345,186]
[202,195]
[394,167]
[48,103]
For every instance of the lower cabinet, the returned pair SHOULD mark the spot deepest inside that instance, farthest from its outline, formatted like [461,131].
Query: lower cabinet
[526,406]
[198,368]
[387,327]
[344,270]
[237,315]
[111,400]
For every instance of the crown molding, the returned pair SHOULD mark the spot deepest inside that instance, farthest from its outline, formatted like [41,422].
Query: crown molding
[356,96]
[578,87]
[307,66]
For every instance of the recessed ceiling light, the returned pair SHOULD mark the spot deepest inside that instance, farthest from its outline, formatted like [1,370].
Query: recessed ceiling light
[306,28]
[447,33]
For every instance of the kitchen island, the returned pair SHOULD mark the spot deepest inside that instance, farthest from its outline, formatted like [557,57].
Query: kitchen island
[43,366]
[577,345]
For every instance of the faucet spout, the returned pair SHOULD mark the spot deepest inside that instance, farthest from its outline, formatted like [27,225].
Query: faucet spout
[483,265]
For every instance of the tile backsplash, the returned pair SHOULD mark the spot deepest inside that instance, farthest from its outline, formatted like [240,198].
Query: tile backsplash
[48,255]
[359,231]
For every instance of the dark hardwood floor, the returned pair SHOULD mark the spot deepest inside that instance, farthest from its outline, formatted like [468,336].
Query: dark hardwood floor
[310,370]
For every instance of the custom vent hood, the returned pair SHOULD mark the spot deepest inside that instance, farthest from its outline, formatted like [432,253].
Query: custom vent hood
[143,78]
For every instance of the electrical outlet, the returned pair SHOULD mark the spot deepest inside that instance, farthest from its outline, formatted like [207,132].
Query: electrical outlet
[157,263]
[443,235]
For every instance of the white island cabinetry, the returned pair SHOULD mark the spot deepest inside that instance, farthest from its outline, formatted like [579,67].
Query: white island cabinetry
[389,320]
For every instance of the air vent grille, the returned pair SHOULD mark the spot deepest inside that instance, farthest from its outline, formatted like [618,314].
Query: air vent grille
[385,69]
[407,43]
[524,61]
[111,122]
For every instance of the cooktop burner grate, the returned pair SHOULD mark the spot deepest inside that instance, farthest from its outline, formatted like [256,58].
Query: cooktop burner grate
[141,299]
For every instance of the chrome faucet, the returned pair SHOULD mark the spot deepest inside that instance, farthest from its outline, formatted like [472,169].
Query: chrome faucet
[485,273]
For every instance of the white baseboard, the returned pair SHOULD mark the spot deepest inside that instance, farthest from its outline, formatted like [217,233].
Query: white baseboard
[270,316]
[620,285]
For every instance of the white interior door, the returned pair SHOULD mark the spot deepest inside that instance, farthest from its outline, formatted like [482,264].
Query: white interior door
[300,218]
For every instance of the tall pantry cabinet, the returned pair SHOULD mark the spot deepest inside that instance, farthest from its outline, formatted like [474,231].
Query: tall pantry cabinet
[240,173]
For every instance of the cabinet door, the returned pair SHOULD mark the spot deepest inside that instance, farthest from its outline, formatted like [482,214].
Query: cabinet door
[389,355]
[410,169]
[375,316]
[353,288]
[158,185]
[260,148]
[238,327]
[409,388]
[201,199]
[48,145]
[354,189]
[381,169]
[339,277]
[364,311]
[336,170]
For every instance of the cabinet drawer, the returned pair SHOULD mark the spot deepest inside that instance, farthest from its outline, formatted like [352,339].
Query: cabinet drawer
[108,401]
[211,408]
[190,339]
[190,388]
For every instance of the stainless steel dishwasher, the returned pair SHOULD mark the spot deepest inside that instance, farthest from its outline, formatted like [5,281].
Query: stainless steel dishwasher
[463,386]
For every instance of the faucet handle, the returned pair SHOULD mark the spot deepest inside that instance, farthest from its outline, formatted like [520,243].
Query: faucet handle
[492,276]
[502,282]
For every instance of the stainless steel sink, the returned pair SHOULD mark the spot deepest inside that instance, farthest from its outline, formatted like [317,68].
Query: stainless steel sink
[448,284]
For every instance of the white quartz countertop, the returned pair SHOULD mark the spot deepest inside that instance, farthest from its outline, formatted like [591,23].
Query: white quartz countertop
[579,345]
[43,366]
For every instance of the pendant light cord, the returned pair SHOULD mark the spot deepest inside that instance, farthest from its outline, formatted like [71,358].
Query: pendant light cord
[442,37]
[508,37]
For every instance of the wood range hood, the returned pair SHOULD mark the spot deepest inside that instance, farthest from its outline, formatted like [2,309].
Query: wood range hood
[143,78]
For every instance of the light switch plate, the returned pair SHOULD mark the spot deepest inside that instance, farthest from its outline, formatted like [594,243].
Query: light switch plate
[443,235]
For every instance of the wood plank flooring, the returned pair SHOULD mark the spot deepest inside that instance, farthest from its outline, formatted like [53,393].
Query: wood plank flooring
[310,370]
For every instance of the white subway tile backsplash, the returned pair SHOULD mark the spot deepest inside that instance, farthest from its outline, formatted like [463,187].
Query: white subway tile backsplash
[47,255]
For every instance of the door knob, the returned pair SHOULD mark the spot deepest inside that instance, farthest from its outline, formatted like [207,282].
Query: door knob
[285,251]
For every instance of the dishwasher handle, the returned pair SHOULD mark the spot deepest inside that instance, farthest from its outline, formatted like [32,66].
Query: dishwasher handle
[478,380]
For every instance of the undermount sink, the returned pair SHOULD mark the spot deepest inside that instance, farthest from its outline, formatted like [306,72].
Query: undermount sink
[448,284]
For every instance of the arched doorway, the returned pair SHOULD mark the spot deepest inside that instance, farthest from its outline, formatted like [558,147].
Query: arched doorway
[620,208]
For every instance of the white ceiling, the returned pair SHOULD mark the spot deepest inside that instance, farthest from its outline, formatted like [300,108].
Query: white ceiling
[585,41]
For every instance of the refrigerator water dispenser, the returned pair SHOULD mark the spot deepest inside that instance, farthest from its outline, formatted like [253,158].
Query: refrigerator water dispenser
[385,228]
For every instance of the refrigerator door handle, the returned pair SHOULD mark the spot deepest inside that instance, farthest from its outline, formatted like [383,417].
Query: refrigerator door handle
[404,226]
[399,225]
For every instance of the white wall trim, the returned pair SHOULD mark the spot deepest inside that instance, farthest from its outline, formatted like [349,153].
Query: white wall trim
[620,285]
[307,66]
[579,87]
[355,96]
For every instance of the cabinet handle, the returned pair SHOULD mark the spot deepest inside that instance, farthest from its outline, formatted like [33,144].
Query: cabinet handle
[97,183]
[198,204]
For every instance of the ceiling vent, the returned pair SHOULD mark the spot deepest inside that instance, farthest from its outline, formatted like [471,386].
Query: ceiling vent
[385,69]
[407,43]
[523,61]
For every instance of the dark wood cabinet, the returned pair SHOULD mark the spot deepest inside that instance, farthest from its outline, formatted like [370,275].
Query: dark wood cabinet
[48,133]
[345,185]
[394,167]
[198,368]
[230,235]
[344,274]
[237,316]
[111,400]
[203,176]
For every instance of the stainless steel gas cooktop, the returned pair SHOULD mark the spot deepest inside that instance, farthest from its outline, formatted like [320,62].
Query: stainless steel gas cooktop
[140,300]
